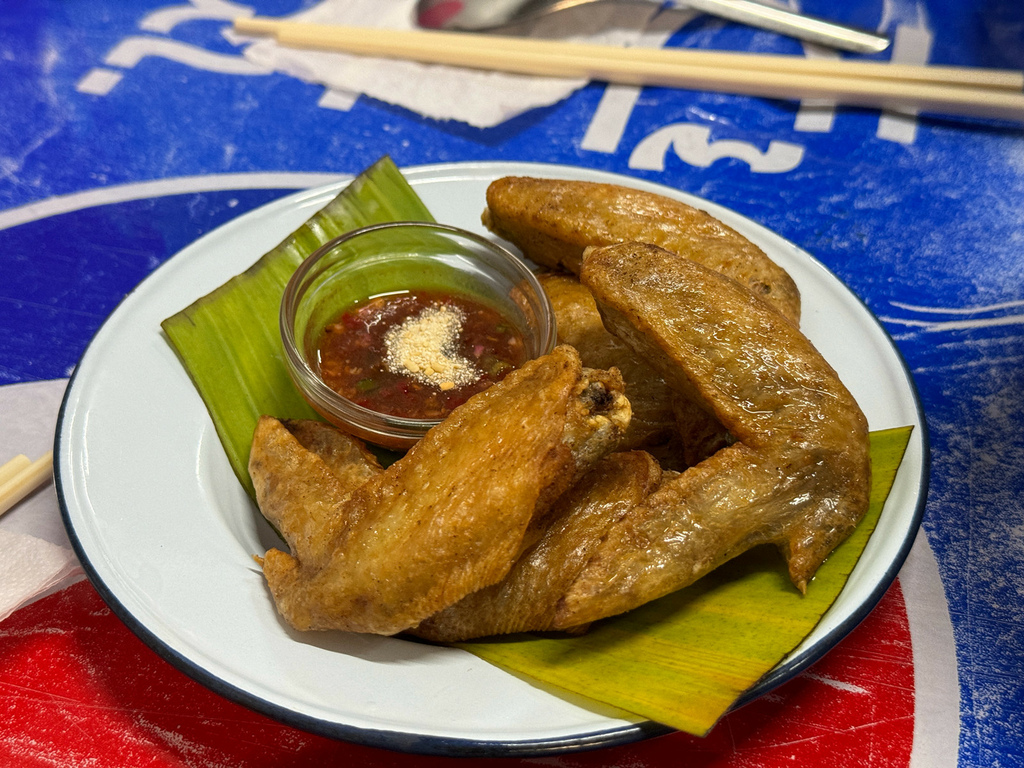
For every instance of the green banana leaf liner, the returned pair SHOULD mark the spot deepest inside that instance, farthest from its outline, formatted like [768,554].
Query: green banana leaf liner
[683,660]
[230,341]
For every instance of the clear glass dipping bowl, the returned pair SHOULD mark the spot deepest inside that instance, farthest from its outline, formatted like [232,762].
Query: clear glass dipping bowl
[395,257]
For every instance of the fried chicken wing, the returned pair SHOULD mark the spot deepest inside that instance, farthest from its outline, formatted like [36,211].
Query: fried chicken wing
[303,470]
[457,510]
[579,324]
[552,221]
[679,432]
[527,598]
[798,475]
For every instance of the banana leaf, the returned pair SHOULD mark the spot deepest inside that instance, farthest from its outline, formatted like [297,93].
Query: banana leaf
[683,660]
[229,340]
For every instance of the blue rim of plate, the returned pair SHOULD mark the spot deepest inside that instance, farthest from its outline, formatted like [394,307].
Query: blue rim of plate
[425,744]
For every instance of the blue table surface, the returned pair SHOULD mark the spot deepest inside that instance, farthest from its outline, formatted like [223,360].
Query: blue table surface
[923,218]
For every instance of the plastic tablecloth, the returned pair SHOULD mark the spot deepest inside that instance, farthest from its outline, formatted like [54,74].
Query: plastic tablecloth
[111,164]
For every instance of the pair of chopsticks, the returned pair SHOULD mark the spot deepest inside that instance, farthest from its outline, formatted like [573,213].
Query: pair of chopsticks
[963,91]
[20,476]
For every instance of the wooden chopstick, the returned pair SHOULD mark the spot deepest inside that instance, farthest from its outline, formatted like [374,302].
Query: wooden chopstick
[13,467]
[422,42]
[953,90]
[19,477]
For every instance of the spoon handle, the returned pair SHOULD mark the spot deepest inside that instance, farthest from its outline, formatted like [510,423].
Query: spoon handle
[796,25]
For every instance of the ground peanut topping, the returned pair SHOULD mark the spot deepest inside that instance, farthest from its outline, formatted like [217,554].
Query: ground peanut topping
[424,348]
[417,354]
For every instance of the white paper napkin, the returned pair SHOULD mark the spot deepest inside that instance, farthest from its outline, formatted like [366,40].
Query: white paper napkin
[481,99]
[35,554]
[29,568]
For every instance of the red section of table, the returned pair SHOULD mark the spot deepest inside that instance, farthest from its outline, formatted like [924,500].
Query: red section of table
[78,688]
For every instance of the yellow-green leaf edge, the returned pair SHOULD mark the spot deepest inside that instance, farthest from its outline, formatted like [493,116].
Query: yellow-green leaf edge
[684,660]
[229,341]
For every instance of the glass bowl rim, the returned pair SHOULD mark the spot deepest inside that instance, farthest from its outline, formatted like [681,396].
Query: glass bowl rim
[310,383]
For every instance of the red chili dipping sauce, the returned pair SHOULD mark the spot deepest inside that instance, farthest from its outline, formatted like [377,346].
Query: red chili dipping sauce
[417,355]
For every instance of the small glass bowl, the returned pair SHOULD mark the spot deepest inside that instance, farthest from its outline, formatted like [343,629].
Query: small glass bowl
[391,258]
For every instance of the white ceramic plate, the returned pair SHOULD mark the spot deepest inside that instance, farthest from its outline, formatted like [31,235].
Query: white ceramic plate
[167,534]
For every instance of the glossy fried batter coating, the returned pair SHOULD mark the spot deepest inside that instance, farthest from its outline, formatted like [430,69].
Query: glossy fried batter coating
[664,422]
[798,475]
[552,221]
[303,470]
[456,511]
[579,324]
[527,598]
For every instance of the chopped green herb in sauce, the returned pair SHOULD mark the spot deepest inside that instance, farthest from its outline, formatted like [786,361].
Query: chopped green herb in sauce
[417,355]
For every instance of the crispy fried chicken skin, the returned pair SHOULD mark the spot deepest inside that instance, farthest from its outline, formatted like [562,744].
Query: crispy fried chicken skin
[629,532]
[798,475]
[683,420]
[527,598]
[664,422]
[579,324]
[305,471]
[552,221]
[452,515]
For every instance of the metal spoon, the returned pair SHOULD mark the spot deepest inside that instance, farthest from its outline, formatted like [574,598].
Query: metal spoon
[490,15]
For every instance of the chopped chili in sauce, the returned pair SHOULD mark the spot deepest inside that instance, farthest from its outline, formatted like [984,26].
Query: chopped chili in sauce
[417,355]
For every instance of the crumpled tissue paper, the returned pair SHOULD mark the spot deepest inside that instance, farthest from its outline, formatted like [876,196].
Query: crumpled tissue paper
[35,554]
[31,567]
[478,98]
